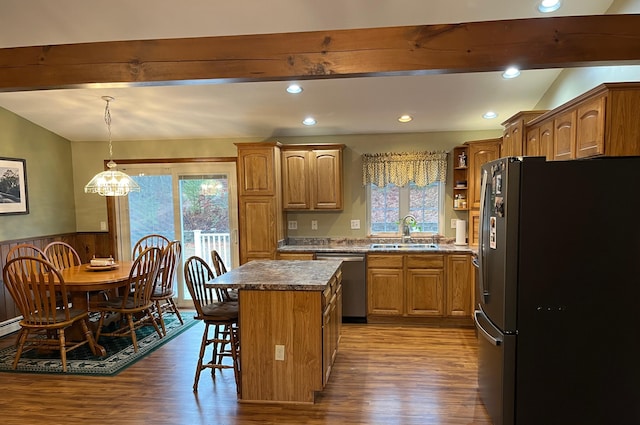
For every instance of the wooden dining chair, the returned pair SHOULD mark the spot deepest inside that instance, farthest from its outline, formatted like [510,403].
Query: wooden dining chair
[134,305]
[152,240]
[36,286]
[25,250]
[62,255]
[215,314]
[164,292]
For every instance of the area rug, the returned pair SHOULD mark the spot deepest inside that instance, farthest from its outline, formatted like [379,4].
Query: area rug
[81,361]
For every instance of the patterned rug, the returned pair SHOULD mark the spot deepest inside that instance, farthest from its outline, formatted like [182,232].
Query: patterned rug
[81,361]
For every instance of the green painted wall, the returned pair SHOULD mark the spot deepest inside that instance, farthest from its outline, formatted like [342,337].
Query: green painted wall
[49,179]
[338,224]
[88,159]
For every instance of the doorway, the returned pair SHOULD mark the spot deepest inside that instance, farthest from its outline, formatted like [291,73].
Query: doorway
[194,203]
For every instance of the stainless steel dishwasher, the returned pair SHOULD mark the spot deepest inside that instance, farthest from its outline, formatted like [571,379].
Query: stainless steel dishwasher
[354,284]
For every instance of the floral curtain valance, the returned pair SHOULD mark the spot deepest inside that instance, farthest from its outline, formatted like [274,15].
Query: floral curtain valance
[423,168]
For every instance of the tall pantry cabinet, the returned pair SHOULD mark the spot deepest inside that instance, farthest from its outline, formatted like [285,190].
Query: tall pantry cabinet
[261,219]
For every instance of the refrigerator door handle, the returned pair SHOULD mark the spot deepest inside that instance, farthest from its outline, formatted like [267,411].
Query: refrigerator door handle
[484,291]
[485,334]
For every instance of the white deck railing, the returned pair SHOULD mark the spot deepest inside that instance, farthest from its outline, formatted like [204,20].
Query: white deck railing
[205,242]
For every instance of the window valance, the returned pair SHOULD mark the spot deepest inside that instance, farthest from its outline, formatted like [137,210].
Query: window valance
[423,168]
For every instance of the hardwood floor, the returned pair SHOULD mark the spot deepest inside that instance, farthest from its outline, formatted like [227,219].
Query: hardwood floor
[404,375]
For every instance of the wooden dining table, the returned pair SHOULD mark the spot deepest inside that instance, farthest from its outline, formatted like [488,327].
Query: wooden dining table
[83,279]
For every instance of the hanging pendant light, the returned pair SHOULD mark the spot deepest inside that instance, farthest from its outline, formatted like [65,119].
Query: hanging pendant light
[111,182]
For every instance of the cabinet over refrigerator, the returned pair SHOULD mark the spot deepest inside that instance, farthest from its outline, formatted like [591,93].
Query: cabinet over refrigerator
[558,321]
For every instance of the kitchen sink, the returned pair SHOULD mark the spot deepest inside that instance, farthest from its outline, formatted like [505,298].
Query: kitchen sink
[404,246]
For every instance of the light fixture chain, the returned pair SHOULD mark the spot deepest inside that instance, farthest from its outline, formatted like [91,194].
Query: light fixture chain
[107,120]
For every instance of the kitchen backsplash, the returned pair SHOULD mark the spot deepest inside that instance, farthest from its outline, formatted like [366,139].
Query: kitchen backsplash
[363,241]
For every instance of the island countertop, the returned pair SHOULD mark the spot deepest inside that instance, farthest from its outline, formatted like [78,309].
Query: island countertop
[280,275]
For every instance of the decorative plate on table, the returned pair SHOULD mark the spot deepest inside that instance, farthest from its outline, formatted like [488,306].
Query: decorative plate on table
[102,268]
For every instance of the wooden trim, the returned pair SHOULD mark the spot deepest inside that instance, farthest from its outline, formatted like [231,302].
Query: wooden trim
[86,244]
[536,43]
[174,160]
[311,147]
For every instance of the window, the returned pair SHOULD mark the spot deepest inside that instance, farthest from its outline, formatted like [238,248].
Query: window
[387,206]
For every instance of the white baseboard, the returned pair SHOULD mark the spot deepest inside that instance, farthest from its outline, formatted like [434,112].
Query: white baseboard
[9,326]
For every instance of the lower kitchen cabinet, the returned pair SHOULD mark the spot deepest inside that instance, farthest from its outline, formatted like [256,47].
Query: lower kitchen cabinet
[385,285]
[419,287]
[331,325]
[459,286]
[424,285]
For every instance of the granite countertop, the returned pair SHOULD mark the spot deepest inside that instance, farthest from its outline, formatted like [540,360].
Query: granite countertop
[365,246]
[280,275]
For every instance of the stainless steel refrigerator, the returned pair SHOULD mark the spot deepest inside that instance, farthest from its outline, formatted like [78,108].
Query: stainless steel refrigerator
[558,317]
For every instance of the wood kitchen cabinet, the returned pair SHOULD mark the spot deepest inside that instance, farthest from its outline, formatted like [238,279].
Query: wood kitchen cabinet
[312,177]
[539,140]
[261,218]
[593,124]
[419,287]
[385,285]
[513,138]
[480,152]
[459,286]
[332,324]
[425,285]
[564,136]
[474,227]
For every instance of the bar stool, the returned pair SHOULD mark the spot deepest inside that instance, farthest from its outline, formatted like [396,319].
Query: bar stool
[216,314]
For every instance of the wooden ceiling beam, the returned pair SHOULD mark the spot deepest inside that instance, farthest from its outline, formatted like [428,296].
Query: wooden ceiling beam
[538,43]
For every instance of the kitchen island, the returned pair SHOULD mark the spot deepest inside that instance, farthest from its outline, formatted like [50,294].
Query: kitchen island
[290,319]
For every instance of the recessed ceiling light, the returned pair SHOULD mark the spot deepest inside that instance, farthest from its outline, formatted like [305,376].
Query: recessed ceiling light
[511,72]
[309,121]
[405,118]
[489,115]
[548,6]
[294,89]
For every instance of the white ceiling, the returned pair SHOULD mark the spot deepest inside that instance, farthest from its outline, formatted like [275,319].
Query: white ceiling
[237,110]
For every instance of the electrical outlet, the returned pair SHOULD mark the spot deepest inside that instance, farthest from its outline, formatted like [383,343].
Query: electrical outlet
[453,223]
[293,225]
[103,225]
[355,224]
[314,224]
[280,352]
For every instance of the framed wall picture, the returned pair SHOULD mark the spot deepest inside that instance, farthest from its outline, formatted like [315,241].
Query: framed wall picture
[13,186]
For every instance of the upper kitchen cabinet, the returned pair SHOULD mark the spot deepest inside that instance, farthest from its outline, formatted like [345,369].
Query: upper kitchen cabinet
[261,219]
[312,177]
[599,122]
[256,168]
[480,152]
[513,139]
[539,140]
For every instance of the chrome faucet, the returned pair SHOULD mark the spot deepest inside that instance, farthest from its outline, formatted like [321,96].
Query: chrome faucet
[406,229]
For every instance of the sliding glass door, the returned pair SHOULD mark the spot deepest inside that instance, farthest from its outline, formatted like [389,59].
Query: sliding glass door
[191,202]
